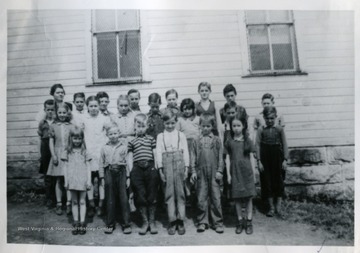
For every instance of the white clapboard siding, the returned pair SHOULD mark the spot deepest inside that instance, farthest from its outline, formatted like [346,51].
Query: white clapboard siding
[186,48]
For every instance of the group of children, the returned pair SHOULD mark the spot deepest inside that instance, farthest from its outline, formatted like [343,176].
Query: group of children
[171,150]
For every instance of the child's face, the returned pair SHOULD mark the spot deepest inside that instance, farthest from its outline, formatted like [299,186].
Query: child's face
[140,127]
[188,112]
[154,107]
[170,124]
[103,103]
[113,134]
[206,128]
[266,102]
[171,99]
[237,127]
[62,114]
[230,96]
[204,92]
[123,107]
[49,111]
[77,141]
[230,113]
[134,100]
[59,95]
[270,119]
[79,103]
[93,108]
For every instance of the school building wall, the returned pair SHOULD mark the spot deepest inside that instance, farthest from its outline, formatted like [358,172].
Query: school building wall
[181,49]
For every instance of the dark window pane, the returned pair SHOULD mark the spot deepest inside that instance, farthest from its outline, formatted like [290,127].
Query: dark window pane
[106,56]
[281,47]
[104,20]
[259,48]
[130,54]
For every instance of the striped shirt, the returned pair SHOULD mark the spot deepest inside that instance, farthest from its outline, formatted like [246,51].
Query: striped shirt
[142,148]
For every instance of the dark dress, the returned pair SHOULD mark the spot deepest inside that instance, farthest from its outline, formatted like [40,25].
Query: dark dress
[242,176]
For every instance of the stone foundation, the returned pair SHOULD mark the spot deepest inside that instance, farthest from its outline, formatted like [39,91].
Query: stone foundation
[312,172]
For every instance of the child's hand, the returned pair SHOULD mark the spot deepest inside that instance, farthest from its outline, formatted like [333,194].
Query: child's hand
[127,182]
[88,186]
[162,176]
[229,179]
[55,161]
[193,178]
[260,166]
[102,182]
[66,186]
[218,176]
[186,172]
[284,165]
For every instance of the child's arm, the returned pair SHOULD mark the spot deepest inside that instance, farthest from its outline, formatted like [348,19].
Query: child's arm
[88,170]
[227,161]
[130,161]
[159,150]
[219,173]
[154,154]
[218,122]
[52,151]
[184,147]
[193,149]
[285,148]
[101,166]
[257,149]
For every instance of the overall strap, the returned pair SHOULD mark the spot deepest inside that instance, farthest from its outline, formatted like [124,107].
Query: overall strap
[178,141]
[164,141]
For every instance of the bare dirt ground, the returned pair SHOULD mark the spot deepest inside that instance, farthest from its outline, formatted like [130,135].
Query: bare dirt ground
[32,223]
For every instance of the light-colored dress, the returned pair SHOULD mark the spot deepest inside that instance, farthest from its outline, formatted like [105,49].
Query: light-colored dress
[76,164]
[95,137]
[59,131]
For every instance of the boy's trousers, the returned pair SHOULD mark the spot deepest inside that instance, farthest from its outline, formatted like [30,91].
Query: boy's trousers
[115,190]
[145,182]
[209,197]
[174,168]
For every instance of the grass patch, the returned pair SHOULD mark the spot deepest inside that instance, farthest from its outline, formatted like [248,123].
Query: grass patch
[334,217]
[26,197]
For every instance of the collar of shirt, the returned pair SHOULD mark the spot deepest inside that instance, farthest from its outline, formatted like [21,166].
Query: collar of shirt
[106,113]
[210,135]
[190,118]
[137,108]
[120,143]
[151,114]
[61,122]
[241,138]
[123,116]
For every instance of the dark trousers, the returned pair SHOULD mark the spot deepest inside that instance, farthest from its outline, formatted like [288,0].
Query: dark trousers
[145,183]
[209,197]
[271,179]
[115,191]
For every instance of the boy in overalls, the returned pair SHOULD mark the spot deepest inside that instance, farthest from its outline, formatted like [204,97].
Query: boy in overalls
[173,162]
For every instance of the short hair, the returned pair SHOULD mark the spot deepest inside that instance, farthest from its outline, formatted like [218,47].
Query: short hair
[91,98]
[154,98]
[187,103]
[54,87]
[206,84]
[268,96]
[102,94]
[141,118]
[78,132]
[79,95]
[172,91]
[269,110]
[229,88]
[110,126]
[228,105]
[207,117]
[50,102]
[168,114]
[131,91]
[123,97]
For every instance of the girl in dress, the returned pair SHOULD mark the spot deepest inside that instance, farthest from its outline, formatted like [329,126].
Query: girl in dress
[208,106]
[77,176]
[94,124]
[239,171]
[59,135]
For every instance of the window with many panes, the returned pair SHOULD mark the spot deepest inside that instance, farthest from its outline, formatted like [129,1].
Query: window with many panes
[116,45]
[271,42]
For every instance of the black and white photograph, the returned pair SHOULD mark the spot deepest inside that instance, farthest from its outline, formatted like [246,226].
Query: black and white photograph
[130,127]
